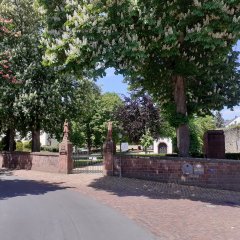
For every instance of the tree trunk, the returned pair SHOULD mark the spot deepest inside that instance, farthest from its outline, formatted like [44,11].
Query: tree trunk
[12,143]
[8,140]
[89,140]
[183,136]
[36,147]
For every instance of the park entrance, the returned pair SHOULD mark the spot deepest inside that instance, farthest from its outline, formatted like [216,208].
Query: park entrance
[87,163]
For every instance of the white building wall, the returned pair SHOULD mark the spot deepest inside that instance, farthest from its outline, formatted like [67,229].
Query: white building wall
[167,141]
[45,140]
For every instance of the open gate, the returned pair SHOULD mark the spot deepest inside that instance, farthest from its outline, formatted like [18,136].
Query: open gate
[87,163]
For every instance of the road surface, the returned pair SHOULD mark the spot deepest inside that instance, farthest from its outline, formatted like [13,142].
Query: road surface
[31,210]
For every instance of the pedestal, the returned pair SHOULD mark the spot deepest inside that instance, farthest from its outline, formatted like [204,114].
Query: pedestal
[65,157]
[108,151]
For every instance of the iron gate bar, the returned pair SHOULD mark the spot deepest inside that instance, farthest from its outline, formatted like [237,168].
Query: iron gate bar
[92,163]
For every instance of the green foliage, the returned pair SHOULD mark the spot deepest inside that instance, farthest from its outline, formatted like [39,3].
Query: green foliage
[146,140]
[152,42]
[235,156]
[43,97]
[27,145]
[19,146]
[90,129]
[174,119]
[49,149]
[198,126]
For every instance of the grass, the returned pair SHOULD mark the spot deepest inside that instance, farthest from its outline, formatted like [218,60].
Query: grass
[86,162]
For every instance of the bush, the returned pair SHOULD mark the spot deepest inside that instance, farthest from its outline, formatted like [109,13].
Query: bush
[49,149]
[19,146]
[235,156]
[27,146]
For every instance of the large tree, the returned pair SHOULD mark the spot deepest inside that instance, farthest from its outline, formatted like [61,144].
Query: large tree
[8,82]
[44,96]
[181,51]
[90,129]
[138,116]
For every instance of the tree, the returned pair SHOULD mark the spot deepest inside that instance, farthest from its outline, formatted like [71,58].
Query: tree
[219,120]
[138,116]
[45,96]
[91,128]
[180,51]
[146,140]
[8,83]
[198,126]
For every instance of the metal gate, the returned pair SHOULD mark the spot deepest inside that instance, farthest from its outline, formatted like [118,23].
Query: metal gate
[87,163]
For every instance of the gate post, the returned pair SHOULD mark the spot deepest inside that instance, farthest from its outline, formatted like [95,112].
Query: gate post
[108,149]
[108,153]
[65,153]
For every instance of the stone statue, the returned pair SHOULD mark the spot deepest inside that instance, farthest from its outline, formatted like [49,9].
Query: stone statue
[109,134]
[65,130]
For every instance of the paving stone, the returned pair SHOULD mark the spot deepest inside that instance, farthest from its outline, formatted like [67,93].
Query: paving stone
[170,211]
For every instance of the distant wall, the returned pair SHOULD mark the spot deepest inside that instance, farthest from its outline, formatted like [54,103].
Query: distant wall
[47,162]
[215,173]
[232,140]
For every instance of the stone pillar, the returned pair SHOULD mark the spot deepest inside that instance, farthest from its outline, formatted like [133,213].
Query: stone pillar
[65,152]
[65,157]
[108,150]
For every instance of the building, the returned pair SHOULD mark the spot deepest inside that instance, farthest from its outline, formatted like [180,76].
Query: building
[46,140]
[163,145]
[233,122]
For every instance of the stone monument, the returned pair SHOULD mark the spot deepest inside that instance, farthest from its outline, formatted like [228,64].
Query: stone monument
[65,151]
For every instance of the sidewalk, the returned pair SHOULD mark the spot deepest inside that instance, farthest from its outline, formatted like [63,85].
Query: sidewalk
[170,211]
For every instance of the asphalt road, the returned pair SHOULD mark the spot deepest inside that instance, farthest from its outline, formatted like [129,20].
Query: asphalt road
[31,210]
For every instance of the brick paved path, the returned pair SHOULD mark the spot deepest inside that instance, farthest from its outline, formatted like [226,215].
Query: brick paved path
[170,211]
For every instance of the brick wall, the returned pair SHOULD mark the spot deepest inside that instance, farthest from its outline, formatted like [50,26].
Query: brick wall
[222,174]
[232,140]
[48,162]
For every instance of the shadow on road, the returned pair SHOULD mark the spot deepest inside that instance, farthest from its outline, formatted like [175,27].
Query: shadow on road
[12,187]
[133,187]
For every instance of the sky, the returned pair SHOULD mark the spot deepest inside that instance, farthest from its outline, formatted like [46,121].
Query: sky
[114,83]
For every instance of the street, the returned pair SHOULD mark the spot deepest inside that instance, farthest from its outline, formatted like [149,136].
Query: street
[31,210]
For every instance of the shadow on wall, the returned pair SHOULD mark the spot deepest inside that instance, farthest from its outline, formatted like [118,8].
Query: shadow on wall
[156,190]
[10,188]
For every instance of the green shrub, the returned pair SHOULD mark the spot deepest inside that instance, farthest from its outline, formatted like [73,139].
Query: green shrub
[49,149]
[19,146]
[27,146]
[235,156]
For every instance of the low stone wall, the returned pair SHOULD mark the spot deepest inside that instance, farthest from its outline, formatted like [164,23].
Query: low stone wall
[47,162]
[215,173]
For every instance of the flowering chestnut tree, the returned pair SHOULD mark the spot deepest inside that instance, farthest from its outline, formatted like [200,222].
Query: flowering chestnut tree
[180,51]
[44,97]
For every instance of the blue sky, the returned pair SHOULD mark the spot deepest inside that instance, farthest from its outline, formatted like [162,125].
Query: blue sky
[114,83]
